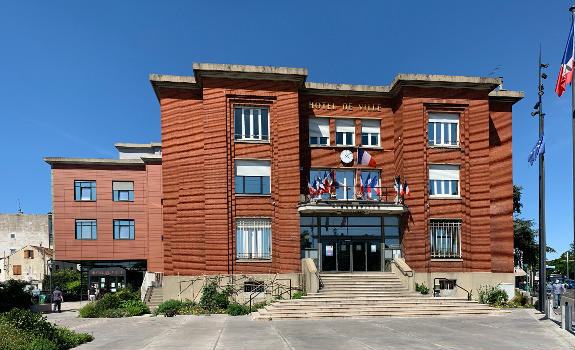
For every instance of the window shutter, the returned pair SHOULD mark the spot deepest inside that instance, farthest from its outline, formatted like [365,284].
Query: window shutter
[443,118]
[345,125]
[370,126]
[123,185]
[253,168]
[443,172]
[31,254]
[17,269]
[319,127]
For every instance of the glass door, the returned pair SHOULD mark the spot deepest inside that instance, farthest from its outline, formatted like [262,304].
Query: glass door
[374,256]
[359,261]
[343,256]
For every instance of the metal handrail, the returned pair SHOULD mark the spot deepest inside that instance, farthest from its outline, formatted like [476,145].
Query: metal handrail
[272,284]
[405,273]
[455,284]
[319,279]
[357,194]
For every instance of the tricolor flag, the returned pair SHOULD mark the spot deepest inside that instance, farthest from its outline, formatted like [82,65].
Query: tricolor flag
[406,189]
[311,189]
[368,185]
[396,186]
[538,149]
[375,183]
[566,71]
[364,158]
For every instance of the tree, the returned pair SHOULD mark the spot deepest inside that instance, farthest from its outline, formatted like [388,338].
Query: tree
[69,282]
[517,199]
[524,239]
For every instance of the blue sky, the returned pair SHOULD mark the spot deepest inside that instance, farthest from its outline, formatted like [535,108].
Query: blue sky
[75,74]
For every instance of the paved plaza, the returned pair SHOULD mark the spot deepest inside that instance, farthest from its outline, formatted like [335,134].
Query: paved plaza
[519,329]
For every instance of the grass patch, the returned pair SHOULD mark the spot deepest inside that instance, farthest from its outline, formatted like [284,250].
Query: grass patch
[25,330]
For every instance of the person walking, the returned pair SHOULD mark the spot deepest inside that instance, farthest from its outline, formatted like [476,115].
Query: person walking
[558,290]
[92,293]
[57,298]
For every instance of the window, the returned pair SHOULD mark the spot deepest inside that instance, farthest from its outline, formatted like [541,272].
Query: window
[123,191]
[17,269]
[443,129]
[251,123]
[341,188]
[85,190]
[319,131]
[370,182]
[12,235]
[445,236]
[28,254]
[86,229]
[253,177]
[123,229]
[344,132]
[12,251]
[253,238]
[370,132]
[443,180]
[345,184]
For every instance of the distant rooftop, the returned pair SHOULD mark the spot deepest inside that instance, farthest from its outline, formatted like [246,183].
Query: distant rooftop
[128,154]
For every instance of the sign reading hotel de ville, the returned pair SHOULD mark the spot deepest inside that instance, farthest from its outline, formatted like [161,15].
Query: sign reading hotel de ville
[328,106]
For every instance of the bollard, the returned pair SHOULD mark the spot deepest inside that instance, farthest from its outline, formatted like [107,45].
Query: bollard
[563,316]
[569,317]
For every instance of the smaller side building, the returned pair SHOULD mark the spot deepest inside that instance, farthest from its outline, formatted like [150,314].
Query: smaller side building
[31,264]
[20,230]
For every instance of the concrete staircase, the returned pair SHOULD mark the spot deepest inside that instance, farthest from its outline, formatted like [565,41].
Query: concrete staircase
[364,295]
[154,297]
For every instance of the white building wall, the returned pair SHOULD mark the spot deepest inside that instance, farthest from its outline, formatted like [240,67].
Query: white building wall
[20,230]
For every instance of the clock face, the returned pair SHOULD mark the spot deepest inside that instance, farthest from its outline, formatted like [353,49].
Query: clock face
[346,156]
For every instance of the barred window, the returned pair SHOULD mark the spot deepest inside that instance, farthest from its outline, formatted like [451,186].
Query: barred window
[253,238]
[445,236]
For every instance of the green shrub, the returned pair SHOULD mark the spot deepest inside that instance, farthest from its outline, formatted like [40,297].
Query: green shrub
[421,288]
[69,282]
[23,329]
[108,301]
[112,313]
[212,300]
[299,295]
[171,304]
[12,295]
[134,307]
[128,294]
[492,295]
[237,309]
[88,311]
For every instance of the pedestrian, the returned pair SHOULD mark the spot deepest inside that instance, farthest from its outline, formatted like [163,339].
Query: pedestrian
[557,292]
[57,298]
[92,293]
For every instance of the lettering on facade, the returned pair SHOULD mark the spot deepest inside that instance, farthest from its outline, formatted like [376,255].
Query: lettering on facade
[329,106]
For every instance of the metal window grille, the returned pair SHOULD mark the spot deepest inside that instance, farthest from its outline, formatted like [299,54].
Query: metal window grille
[251,123]
[445,238]
[253,238]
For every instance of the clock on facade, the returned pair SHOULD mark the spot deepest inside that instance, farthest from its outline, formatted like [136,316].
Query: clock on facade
[346,156]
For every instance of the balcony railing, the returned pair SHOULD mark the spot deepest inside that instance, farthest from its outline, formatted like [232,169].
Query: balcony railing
[355,193]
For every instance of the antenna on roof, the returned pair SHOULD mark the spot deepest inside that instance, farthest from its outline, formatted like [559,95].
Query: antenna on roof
[19,207]
[494,70]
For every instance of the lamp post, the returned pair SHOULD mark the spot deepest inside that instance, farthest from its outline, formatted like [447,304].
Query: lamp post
[50,264]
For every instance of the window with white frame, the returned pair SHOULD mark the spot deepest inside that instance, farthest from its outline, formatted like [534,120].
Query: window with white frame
[443,180]
[253,176]
[251,123]
[344,132]
[253,238]
[370,132]
[319,131]
[443,129]
[445,238]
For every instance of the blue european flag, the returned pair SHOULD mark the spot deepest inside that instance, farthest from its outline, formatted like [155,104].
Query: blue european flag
[538,149]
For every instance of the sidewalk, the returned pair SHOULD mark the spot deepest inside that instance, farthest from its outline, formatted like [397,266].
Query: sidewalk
[69,310]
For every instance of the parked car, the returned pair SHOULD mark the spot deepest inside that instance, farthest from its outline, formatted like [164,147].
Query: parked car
[570,284]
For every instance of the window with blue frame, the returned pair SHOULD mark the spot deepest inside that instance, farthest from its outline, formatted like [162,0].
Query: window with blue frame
[85,190]
[253,176]
[123,229]
[123,191]
[253,238]
[86,229]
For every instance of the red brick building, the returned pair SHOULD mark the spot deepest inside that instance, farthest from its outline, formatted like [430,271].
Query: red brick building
[242,145]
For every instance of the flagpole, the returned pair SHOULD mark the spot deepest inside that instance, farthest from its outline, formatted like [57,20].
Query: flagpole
[572,10]
[542,238]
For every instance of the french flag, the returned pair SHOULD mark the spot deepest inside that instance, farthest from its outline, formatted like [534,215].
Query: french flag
[364,158]
[406,189]
[566,72]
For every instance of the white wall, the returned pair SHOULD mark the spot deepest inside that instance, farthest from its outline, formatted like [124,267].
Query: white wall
[28,229]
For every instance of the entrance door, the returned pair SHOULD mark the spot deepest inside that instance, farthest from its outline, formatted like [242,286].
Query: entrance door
[374,256]
[359,262]
[343,256]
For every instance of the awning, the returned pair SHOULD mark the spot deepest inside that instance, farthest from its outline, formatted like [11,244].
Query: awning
[519,272]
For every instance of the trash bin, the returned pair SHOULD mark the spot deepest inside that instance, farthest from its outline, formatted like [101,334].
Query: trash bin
[42,298]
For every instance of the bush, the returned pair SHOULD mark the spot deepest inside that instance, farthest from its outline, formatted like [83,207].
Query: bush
[299,295]
[116,305]
[88,311]
[421,288]
[12,295]
[212,300]
[237,309]
[23,329]
[134,308]
[128,294]
[171,304]
[492,295]
[69,282]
